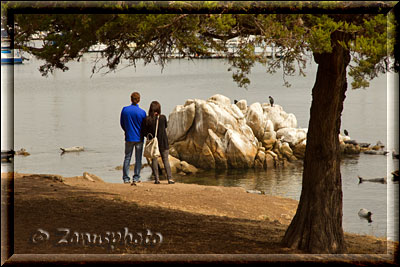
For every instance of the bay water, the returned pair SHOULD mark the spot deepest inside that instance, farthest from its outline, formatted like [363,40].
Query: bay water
[73,108]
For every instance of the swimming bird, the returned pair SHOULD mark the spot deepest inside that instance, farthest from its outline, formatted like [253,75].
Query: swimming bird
[72,149]
[256,192]
[271,101]
[376,152]
[346,133]
[373,180]
[365,145]
[366,214]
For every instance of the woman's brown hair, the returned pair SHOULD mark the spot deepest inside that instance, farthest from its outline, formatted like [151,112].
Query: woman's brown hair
[155,108]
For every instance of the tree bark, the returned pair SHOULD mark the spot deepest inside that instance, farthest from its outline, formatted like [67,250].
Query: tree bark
[317,225]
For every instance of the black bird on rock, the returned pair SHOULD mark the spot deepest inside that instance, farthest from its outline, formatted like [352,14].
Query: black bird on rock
[346,132]
[271,101]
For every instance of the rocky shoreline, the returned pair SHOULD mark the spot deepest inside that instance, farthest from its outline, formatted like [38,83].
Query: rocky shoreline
[216,134]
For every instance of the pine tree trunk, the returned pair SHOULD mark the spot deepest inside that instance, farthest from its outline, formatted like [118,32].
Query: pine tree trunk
[317,225]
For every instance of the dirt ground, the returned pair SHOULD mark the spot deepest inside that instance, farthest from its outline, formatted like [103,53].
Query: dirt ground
[57,215]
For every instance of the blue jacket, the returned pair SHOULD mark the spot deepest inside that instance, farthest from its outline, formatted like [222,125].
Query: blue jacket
[131,122]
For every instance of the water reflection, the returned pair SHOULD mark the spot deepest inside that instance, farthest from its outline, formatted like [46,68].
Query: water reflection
[284,182]
[287,182]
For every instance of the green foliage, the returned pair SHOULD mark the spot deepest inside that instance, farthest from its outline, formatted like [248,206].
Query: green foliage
[372,50]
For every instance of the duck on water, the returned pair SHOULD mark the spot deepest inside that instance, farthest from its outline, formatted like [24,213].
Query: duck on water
[365,214]
[72,149]
[373,180]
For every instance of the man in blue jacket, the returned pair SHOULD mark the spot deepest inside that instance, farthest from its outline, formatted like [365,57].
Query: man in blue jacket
[131,122]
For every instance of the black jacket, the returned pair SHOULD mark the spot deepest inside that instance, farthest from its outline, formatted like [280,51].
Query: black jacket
[149,126]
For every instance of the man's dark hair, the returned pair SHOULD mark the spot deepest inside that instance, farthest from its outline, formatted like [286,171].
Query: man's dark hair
[135,98]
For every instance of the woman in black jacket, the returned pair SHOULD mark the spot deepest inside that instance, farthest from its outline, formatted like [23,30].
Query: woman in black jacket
[149,126]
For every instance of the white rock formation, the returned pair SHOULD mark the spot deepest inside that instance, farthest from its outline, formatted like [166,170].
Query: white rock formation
[293,136]
[279,117]
[180,120]
[215,133]
[218,136]
[256,119]
[242,105]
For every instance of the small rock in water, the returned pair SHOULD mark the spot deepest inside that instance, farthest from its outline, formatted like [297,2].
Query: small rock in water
[256,192]
[353,142]
[364,145]
[22,152]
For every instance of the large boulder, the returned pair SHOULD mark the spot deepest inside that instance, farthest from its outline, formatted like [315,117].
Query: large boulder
[240,151]
[293,136]
[242,105]
[180,120]
[218,150]
[259,162]
[256,120]
[299,150]
[216,134]
[287,151]
[220,99]
[289,121]
[279,117]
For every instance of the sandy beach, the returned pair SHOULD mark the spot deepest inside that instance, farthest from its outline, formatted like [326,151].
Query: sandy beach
[62,215]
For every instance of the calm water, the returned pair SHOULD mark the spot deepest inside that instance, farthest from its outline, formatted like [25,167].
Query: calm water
[72,109]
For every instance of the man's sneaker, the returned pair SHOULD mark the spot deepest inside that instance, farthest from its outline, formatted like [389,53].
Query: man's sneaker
[127,182]
[171,181]
[157,182]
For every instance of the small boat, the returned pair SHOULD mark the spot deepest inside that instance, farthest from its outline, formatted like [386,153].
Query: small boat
[72,149]
[9,55]
[97,48]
